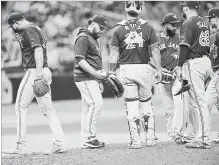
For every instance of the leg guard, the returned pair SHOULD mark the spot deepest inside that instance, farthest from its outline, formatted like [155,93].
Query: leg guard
[148,118]
[133,120]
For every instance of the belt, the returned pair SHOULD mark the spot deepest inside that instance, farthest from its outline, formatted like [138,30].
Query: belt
[199,57]
[28,68]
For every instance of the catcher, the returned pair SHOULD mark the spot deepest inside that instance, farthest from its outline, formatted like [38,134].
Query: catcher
[35,83]
[173,105]
[130,49]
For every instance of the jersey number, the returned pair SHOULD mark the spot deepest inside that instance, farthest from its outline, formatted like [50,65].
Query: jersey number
[204,38]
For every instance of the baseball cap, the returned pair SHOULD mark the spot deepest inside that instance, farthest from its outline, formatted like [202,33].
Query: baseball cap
[101,20]
[213,12]
[191,4]
[170,18]
[14,17]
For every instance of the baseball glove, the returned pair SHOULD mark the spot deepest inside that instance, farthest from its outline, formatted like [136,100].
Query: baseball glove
[167,77]
[184,87]
[115,85]
[40,86]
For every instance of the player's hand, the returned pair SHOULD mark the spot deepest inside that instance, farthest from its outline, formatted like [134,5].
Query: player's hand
[100,74]
[38,76]
[178,71]
[158,76]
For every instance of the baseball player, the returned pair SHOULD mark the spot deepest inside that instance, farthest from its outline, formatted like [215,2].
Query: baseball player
[130,47]
[193,57]
[34,59]
[212,92]
[88,74]
[169,47]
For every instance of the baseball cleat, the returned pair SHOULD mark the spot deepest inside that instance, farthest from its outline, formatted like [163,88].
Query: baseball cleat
[196,144]
[135,145]
[19,149]
[216,140]
[180,141]
[56,149]
[151,143]
[93,144]
[14,151]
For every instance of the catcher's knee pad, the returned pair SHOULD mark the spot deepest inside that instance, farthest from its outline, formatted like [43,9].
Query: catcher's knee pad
[146,107]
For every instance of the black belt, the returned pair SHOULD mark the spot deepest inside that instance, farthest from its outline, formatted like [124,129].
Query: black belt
[198,57]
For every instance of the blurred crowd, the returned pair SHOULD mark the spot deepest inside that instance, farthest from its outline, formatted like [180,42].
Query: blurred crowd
[60,22]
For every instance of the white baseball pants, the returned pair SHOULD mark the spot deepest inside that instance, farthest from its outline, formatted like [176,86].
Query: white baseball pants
[92,101]
[25,96]
[212,92]
[175,110]
[137,83]
[197,71]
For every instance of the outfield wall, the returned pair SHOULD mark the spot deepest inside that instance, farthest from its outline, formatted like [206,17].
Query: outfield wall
[63,88]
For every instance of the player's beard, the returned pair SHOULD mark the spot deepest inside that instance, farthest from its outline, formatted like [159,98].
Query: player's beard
[16,30]
[171,33]
[96,35]
[184,15]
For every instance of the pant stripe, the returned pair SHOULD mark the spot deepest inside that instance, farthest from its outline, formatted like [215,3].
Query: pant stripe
[196,99]
[93,103]
[128,124]
[19,100]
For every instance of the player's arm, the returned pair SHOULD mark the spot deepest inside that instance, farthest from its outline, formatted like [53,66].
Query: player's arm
[38,56]
[81,47]
[157,57]
[113,59]
[154,47]
[184,48]
[35,43]
[114,52]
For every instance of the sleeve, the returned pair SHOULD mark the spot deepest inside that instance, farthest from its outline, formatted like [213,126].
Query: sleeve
[153,40]
[81,47]
[217,39]
[115,38]
[33,37]
[183,53]
[186,35]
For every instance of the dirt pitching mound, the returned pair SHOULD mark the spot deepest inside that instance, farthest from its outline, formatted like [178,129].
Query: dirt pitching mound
[119,154]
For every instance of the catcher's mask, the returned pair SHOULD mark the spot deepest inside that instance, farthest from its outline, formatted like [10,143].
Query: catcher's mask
[133,6]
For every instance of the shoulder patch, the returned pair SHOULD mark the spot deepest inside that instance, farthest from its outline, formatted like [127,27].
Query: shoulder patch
[143,21]
[123,23]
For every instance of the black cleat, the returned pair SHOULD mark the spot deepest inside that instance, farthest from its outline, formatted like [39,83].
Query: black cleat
[94,144]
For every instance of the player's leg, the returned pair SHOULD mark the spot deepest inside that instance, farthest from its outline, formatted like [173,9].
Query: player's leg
[199,70]
[188,129]
[180,109]
[84,114]
[24,97]
[167,98]
[92,95]
[144,80]
[45,104]
[216,140]
[132,104]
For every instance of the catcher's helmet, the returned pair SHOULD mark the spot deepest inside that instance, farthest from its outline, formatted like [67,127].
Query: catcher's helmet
[133,6]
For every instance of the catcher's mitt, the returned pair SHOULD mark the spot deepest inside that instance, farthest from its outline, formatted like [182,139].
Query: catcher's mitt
[184,87]
[115,85]
[167,77]
[40,86]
